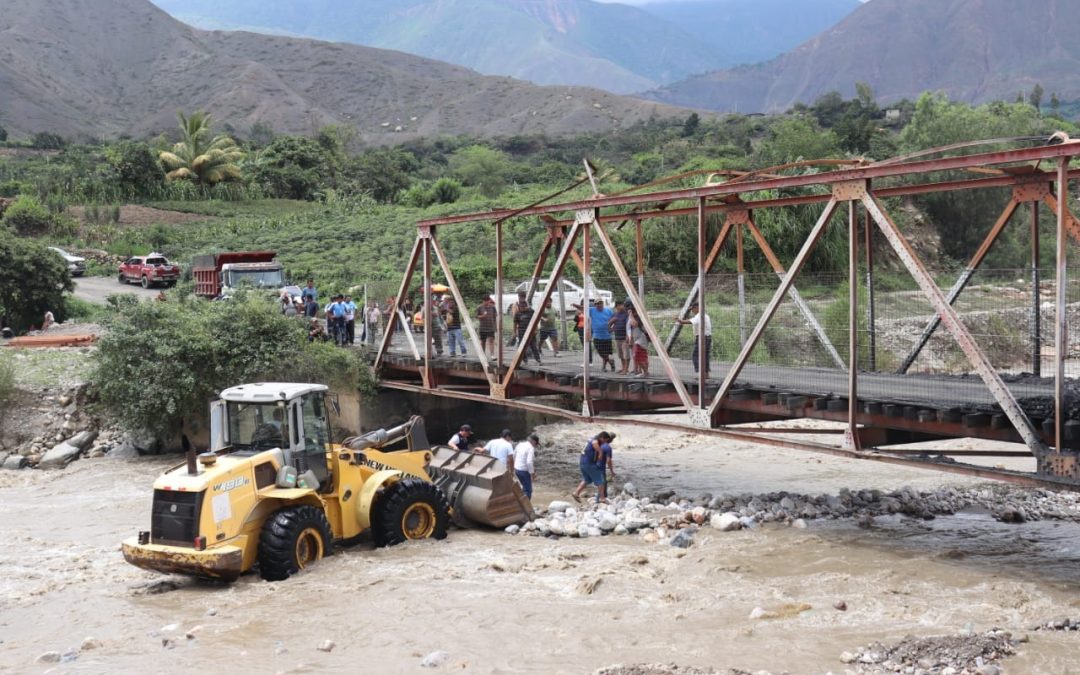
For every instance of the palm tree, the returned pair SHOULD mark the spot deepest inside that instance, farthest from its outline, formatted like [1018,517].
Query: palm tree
[197,159]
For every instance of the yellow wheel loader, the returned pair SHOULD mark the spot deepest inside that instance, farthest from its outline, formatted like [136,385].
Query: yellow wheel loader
[274,492]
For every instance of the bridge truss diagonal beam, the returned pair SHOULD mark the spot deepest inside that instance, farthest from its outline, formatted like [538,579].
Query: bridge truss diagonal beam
[774,304]
[960,333]
[647,324]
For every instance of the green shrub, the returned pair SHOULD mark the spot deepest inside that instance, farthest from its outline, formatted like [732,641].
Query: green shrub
[445,191]
[33,280]
[161,362]
[7,380]
[28,217]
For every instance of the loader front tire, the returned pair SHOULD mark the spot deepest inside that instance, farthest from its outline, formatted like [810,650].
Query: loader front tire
[291,540]
[411,509]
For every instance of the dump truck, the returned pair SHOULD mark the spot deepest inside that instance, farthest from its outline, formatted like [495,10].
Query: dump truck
[274,492]
[218,275]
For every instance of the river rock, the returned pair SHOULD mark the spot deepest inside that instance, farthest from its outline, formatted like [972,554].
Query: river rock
[556,528]
[697,514]
[83,439]
[725,522]
[650,537]
[435,659]
[89,644]
[847,657]
[15,462]
[326,646]
[594,531]
[512,529]
[558,506]
[621,529]
[3,457]
[124,450]
[49,657]
[799,524]
[630,489]
[608,522]
[59,456]
[684,538]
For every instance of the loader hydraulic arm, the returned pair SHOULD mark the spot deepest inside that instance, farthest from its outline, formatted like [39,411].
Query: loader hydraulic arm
[412,431]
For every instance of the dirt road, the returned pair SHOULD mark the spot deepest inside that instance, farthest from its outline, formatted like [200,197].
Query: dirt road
[96,289]
[496,603]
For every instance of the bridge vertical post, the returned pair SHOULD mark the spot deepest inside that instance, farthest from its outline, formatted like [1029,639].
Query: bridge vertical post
[1061,326]
[428,381]
[871,311]
[587,218]
[500,318]
[851,438]
[1036,313]
[639,240]
[557,277]
[703,357]
[740,265]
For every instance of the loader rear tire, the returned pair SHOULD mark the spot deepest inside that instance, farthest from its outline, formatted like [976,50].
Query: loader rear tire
[291,540]
[411,509]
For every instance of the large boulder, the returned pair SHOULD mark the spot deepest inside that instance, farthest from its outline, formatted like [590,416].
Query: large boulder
[726,522]
[59,456]
[83,439]
[15,462]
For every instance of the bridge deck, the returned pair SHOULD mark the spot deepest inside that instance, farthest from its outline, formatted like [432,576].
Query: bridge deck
[922,405]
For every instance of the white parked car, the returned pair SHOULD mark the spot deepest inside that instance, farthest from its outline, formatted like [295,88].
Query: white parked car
[76,266]
[571,292]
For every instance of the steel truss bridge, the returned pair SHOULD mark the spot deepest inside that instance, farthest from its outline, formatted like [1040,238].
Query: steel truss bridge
[879,411]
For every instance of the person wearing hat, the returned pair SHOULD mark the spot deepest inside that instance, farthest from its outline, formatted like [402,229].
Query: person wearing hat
[502,449]
[525,463]
[461,440]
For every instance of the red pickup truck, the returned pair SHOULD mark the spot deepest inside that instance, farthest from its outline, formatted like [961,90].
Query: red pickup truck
[149,270]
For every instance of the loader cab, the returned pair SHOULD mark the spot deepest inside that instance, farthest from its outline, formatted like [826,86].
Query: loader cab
[253,418]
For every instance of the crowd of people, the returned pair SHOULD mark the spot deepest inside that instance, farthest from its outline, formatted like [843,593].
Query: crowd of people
[617,335]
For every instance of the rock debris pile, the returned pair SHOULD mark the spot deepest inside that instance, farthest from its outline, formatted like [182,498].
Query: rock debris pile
[965,654]
[70,433]
[665,517]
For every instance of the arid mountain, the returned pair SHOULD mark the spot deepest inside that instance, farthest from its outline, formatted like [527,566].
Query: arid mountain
[110,67]
[973,50]
[614,47]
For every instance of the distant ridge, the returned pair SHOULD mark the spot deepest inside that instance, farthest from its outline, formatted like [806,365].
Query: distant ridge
[972,50]
[91,68]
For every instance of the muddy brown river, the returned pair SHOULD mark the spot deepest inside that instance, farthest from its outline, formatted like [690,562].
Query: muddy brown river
[497,603]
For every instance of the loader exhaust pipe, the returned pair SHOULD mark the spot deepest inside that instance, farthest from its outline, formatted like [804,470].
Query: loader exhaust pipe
[189,454]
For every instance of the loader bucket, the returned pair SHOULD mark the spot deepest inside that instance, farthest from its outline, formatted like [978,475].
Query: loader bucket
[479,488]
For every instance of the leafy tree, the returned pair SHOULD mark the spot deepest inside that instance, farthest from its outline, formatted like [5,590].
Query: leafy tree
[691,125]
[136,169]
[446,191]
[3,134]
[200,158]
[28,217]
[1055,104]
[33,280]
[1035,98]
[481,167]
[261,135]
[292,167]
[795,139]
[382,173]
[193,349]
[44,140]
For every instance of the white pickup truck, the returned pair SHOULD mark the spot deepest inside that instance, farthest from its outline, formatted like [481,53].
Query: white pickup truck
[572,295]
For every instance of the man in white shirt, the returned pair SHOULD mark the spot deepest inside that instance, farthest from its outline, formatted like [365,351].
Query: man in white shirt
[695,321]
[502,449]
[525,463]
